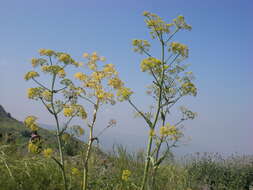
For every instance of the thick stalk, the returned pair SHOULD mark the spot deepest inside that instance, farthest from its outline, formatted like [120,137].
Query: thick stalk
[58,136]
[156,167]
[86,162]
[157,154]
[147,164]
[145,175]
[88,152]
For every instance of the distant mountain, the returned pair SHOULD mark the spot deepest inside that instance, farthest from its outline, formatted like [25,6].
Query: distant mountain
[4,114]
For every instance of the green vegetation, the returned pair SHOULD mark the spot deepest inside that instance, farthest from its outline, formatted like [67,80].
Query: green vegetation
[24,171]
[197,171]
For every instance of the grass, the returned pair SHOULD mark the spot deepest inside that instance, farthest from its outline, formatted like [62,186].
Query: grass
[195,172]
[25,171]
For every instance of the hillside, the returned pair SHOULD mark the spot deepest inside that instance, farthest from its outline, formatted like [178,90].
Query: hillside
[14,132]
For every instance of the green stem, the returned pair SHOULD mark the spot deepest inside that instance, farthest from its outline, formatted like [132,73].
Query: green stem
[147,164]
[88,152]
[86,162]
[155,168]
[145,175]
[58,136]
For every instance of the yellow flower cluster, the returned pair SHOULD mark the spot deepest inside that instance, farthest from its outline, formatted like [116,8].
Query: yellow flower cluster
[33,148]
[30,122]
[47,95]
[61,73]
[180,49]
[181,24]
[98,75]
[109,70]
[68,111]
[34,62]
[95,81]
[189,88]
[169,130]
[140,45]
[53,69]
[34,93]
[31,74]
[74,110]
[46,52]
[64,57]
[102,95]
[124,93]
[115,82]
[156,24]
[93,58]
[75,172]
[150,63]
[81,76]
[125,175]
[48,152]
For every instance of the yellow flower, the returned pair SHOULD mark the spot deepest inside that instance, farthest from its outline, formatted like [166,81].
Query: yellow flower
[181,24]
[163,131]
[179,48]
[100,94]
[75,171]
[34,62]
[102,59]
[109,69]
[141,45]
[31,74]
[48,152]
[81,112]
[61,73]
[53,69]
[34,127]
[124,93]
[150,63]
[47,95]
[115,82]
[85,55]
[170,130]
[47,52]
[80,76]
[152,132]
[92,65]
[125,175]
[68,111]
[33,148]
[33,92]
[98,75]
[145,13]
[189,88]
[30,120]
[64,58]
[44,68]
[94,56]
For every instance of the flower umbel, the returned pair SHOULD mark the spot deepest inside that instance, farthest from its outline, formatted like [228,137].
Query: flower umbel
[48,152]
[125,175]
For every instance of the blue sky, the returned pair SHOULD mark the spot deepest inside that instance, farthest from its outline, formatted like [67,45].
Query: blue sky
[220,56]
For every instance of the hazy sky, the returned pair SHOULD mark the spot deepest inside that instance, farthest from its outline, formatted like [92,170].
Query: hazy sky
[220,56]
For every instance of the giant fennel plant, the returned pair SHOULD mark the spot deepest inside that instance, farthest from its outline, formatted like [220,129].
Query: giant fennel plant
[170,84]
